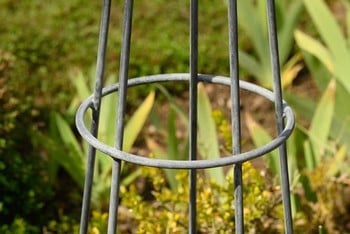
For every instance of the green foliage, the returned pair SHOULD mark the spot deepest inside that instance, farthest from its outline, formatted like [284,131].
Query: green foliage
[22,169]
[319,136]
[224,131]
[24,191]
[39,48]
[331,208]
[172,45]
[326,150]
[335,53]
[177,149]
[74,161]
[207,134]
[18,226]
[64,224]
[326,58]
[35,51]
[314,162]
[41,41]
[27,191]
[168,212]
[252,18]
[261,137]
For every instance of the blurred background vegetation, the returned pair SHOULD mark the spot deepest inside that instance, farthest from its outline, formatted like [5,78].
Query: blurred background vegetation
[47,56]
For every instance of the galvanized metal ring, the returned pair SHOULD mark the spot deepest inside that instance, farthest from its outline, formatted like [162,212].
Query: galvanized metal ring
[185,164]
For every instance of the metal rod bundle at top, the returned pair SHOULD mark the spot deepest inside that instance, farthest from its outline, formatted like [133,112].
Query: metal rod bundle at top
[283,112]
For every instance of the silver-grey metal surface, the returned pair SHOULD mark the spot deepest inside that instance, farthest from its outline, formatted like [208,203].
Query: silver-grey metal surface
[284,117]
[193,113]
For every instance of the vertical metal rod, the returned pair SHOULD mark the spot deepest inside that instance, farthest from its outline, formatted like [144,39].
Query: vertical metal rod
[279,114]
[235,113]
[193,113]
[100,65]
[123,79]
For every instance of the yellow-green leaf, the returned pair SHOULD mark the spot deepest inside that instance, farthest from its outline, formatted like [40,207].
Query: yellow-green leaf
[136,122]
[291,70]
[322,120]
[261,137]
[208,140]
[315,48]
[337,162]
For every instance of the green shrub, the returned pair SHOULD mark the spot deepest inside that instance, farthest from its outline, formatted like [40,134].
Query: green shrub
[167,212]
[24,192]
[18,226]
[331,211]
[33,59]
[24,189]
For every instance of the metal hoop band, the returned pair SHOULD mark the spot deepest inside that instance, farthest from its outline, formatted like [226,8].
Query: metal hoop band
[185,164]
